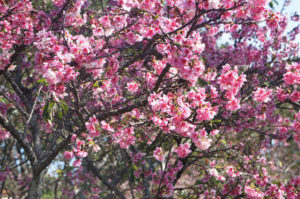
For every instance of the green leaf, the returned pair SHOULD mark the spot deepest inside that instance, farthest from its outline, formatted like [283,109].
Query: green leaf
[45,115]
[64,106]
[177,44]
[216,121]
[271,4]
[48,110]
[267,84]
[96,84]
[60,114]
[202,82]
[43,81]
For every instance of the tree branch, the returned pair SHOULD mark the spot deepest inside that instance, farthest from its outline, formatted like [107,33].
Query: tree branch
[18,136]
[95,171]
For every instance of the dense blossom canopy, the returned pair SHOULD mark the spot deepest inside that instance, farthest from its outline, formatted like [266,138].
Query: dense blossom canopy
[149,99]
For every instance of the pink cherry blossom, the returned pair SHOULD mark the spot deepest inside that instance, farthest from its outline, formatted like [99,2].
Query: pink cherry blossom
[68,155]
[77,163]
[262,95]
[183,150]
[132,87]
[186,98]
[233,105]
[159,154]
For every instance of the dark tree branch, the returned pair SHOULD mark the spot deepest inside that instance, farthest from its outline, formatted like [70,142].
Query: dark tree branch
[19,137]
[94,170]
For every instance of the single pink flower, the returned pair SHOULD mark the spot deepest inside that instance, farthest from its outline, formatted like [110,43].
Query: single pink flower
[68,155]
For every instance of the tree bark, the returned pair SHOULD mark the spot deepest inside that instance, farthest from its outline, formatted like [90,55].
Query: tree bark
[36,186]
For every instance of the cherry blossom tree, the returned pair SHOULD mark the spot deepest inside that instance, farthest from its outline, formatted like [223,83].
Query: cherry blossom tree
[149,99]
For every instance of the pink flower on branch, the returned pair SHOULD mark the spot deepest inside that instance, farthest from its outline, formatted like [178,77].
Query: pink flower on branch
[183,150]
[132,87]
[262,95]
[68,155]
[159,155]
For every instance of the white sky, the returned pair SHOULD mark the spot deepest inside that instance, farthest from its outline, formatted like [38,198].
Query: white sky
[293,7]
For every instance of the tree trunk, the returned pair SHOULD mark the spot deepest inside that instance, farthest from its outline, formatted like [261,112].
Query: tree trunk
[36,186]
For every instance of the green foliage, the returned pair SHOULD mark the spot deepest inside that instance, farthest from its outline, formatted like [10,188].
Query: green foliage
[48,195]
[51,108]
[42,81]
[271,4]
